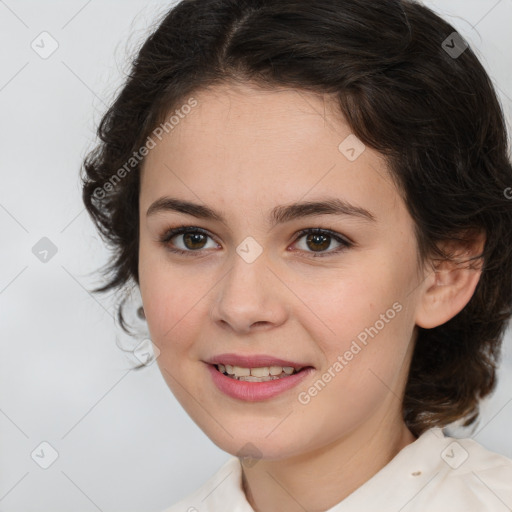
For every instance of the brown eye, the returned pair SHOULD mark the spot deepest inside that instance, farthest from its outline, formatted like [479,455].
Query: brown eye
[185,240]
[319,240]
[194,241]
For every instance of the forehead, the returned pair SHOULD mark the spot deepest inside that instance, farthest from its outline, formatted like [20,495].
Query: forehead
[263,120]
[258,148]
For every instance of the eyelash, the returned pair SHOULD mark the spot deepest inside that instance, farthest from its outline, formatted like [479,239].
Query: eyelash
[171,233]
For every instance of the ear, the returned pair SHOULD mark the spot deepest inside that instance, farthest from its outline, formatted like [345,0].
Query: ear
[451,282]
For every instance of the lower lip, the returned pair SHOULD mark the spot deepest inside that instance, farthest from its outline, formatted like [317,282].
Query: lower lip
[256,391]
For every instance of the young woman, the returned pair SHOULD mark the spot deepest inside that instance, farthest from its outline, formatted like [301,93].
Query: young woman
[311,197]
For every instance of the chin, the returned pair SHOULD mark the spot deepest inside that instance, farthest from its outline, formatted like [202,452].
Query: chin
[256,443]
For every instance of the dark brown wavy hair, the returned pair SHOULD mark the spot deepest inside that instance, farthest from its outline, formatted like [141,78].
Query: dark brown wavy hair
[408,88]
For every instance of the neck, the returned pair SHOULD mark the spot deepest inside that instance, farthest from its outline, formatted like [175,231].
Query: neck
[317,481]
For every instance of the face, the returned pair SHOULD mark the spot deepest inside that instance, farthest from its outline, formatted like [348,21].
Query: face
[255,279]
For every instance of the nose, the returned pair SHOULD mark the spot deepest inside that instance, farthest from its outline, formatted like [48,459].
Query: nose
[250,297]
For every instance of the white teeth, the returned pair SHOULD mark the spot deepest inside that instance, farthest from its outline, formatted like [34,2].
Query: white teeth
[275,370]
[238,371]
[260,374]
[258,379]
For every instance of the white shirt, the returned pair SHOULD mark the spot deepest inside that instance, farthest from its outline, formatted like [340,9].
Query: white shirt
[435,473]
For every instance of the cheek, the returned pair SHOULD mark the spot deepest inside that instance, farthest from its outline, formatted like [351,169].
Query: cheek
[168,308]
[344,303]
[174,299]
[160,291]
[361,317]
[365,357]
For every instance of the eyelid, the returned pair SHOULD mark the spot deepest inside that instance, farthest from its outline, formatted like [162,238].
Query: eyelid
[346,243]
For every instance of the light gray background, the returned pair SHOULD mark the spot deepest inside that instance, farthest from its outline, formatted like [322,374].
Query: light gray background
[123,441]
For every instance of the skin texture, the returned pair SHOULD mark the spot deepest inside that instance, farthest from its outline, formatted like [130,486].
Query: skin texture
[242,151]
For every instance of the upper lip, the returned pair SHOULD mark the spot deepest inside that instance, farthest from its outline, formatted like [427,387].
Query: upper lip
[253,361]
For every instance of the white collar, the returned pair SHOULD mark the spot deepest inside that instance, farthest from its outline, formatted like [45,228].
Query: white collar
[433,469]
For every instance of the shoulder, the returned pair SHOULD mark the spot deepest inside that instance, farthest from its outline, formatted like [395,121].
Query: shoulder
[437,473]
[469,477]
[220,491]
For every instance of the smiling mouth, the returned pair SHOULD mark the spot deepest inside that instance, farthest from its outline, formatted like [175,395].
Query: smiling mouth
[262,374]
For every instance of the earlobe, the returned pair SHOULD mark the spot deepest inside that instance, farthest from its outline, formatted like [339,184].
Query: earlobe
[450,284]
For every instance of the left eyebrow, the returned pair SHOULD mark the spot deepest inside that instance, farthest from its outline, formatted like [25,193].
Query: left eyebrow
[278,215]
